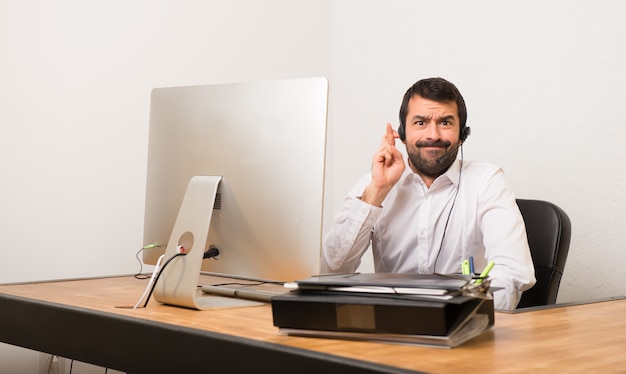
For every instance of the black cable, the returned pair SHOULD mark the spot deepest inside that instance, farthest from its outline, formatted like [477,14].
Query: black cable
[139,275]
[212,252]
[259,283]
[445,228]
[159,275]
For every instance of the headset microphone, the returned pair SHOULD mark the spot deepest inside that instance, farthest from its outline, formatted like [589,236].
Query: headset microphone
[449,153]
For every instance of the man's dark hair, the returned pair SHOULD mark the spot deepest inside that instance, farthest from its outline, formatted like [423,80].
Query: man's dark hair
[435,89]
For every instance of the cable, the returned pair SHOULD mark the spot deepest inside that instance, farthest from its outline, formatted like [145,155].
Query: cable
[139,274]
[445,228]
[152,278]
[249,284]
[212,252]
[158,270]
[159,275]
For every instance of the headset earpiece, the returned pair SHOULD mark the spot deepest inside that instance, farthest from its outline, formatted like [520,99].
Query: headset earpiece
[465,132]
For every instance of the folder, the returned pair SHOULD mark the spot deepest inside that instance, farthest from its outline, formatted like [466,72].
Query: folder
[314,308]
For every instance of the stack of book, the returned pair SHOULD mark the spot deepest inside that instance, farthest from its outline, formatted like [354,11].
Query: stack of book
[427,309]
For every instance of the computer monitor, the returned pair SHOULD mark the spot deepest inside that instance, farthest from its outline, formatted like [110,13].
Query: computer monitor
[256,155]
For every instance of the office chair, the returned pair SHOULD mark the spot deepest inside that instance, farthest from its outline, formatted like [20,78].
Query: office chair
[549,231]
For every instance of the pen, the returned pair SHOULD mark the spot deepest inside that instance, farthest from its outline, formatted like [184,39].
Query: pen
[485,272]
[249,294]
[465,267]
[471,264]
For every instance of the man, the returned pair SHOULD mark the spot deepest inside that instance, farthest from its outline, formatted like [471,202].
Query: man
[440,210]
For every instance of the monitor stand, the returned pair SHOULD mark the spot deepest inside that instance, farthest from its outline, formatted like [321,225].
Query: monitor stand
[178,282]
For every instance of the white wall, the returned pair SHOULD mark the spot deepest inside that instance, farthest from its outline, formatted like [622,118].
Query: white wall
[75,89]
[545,86]
[544,83]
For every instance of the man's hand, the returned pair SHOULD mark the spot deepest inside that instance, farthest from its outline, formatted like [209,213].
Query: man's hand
[387,168]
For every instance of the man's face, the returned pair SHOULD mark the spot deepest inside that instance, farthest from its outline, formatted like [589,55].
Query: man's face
[432,131]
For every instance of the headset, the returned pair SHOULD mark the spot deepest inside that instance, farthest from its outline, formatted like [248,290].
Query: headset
[465,131]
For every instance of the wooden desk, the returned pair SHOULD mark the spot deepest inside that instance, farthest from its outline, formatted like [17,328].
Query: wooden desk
[79,319]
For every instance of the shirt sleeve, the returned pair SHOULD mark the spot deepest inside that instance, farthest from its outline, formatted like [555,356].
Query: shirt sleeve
[505,241]
[350,233]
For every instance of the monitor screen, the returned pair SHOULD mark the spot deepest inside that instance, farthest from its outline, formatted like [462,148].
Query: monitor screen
[265,143]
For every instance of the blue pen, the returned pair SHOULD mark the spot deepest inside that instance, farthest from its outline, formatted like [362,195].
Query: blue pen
[471,264]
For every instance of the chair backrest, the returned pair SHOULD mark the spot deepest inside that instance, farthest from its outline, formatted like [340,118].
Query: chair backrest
[549,232]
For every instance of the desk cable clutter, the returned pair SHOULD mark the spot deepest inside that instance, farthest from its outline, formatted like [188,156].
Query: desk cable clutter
[424,309]
[158,269]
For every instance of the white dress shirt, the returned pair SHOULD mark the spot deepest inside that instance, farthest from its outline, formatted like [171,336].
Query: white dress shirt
[423,230]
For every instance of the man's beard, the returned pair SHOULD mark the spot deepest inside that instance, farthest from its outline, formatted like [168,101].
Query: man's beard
[431,167]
